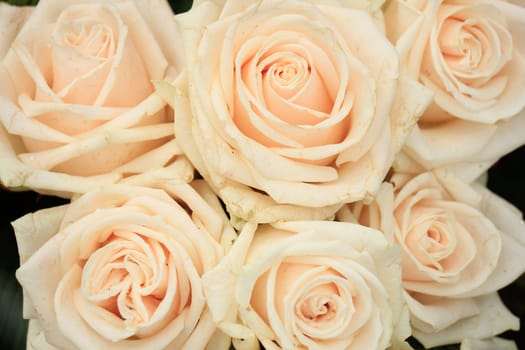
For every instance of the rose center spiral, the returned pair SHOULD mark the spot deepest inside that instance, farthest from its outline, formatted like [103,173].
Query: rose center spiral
[94,40]
[463,43]
[317,308]
[431,238]
[94,36]
[319,305]
[127,276]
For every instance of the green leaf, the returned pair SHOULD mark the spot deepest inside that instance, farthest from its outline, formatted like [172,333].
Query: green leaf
[21,2]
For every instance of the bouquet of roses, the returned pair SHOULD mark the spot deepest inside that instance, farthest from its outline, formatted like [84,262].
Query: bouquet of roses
[278,174]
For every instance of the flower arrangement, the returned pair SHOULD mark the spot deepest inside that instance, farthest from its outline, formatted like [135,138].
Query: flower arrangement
[277,174]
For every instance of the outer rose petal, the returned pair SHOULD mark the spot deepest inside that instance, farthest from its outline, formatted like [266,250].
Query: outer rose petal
[243,141]
[55,143]
[509,221]
[71,240]
[491,318]
[36,340]
[476,150]
[488,344]
[245,271]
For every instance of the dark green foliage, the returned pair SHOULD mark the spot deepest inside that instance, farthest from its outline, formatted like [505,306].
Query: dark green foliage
[21,2]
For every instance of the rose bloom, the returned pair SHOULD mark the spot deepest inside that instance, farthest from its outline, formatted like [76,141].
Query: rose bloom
[309,285]
[78,107]
[461,243]
[471,55]
[120,268]
[286,109]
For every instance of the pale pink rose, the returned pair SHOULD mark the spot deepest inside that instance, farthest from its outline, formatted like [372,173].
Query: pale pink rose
[461,244]
[78,106]
[286,109]
[120,268]
[471,55]
[309,285]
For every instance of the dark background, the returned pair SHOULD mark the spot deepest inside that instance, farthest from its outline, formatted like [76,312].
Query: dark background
[506,178]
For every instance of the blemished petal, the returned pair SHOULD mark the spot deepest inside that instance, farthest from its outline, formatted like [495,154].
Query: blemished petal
[32,233]
[492,319]
[494,343]
[467,138]
[40,289]
[253,206]
[477,145]
[36,339]
[512,227]
[432,315]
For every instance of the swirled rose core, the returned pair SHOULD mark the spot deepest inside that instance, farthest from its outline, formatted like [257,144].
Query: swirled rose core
[469,58]
[129,277]
[443,238]
[282,97]
[90,47]
[318,304]
[84,89]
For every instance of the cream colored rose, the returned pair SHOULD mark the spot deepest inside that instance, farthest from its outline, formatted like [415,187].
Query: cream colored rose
[78,106]
[471,55]
[309,285]
[471,64]
[123,267]
[460,244]
[288,111]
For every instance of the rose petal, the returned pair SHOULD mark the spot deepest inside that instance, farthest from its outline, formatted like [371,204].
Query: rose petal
[493,318]
[12,19]
[495,343]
